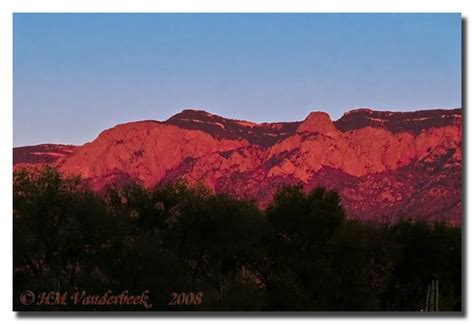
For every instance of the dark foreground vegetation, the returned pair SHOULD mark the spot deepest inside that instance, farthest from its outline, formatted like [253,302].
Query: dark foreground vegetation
[300,254]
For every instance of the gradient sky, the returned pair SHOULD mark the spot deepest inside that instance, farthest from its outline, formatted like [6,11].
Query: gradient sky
[78,74]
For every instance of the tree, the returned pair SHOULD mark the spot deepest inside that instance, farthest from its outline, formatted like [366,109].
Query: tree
[303,224]
[59,228]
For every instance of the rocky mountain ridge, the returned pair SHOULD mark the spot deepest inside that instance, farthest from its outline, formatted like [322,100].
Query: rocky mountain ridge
[385,165]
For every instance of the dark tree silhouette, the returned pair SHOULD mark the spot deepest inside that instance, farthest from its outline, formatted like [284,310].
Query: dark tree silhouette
[301,253]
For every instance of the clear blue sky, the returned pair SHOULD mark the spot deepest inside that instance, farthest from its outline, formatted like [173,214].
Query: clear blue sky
[78,74]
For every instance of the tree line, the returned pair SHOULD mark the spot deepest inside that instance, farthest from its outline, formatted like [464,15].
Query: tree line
[299,254]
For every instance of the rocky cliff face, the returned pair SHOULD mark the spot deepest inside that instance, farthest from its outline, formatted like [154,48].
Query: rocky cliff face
[385,165]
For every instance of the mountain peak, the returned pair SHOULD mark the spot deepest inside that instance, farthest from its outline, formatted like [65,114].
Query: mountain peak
[196,111]
[318,122]
[399,121]
[191,113]
[358,110]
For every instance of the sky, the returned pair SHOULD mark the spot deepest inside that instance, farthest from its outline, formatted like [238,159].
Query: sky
[75,75]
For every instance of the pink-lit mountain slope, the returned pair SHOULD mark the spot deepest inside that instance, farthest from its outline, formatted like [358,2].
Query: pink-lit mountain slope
[385,165]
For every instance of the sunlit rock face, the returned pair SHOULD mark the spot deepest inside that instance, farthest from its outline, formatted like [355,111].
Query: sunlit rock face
[320,123]
[385,165]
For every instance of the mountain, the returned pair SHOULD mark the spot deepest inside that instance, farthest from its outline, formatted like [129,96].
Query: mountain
[43,154]
[385,165]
